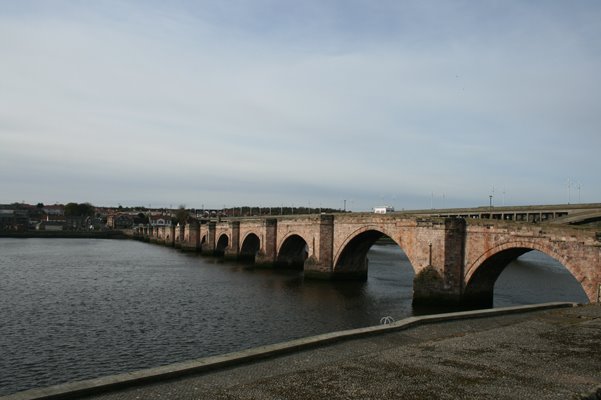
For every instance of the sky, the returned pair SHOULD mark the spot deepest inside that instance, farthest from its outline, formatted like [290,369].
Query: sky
[320,103]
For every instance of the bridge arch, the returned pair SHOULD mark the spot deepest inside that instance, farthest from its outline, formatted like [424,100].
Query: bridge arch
[251,244]
[481,275]
[351,258]
[222,244]
[293,252]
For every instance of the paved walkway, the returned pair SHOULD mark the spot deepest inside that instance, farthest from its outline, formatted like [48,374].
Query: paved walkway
[553,354]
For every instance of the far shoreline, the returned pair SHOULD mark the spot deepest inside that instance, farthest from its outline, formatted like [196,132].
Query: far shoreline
[111,234]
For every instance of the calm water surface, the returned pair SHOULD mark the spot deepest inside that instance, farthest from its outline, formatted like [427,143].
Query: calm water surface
[73,309]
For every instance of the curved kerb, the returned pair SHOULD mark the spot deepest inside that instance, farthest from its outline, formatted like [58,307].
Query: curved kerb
[107,383]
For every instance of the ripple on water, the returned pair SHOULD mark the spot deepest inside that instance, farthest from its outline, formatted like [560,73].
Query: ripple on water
[76,308]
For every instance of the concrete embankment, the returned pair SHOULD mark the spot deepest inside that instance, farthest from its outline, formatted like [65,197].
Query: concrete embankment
[546,352]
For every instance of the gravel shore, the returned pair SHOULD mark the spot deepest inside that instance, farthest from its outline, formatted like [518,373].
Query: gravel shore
[552,354]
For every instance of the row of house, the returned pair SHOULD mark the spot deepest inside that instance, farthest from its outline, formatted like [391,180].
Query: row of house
[128,220]
[14,220]
[23,217]
[20,217]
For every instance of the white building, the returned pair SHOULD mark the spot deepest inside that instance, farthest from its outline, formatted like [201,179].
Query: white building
[383,209]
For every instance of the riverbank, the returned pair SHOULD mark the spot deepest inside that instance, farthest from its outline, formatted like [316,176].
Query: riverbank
[500,353]
[111,234]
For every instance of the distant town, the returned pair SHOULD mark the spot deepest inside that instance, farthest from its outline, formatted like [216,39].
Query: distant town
[21,217]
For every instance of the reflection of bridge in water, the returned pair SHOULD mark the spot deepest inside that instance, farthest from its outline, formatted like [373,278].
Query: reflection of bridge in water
[457,255]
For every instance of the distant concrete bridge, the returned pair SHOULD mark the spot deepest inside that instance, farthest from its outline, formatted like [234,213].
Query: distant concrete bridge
[574,214]
[456,260]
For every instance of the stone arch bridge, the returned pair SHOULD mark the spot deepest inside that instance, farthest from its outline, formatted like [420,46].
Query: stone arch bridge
[455,260]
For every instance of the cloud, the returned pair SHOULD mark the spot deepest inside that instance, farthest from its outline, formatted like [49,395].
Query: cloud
[254,100]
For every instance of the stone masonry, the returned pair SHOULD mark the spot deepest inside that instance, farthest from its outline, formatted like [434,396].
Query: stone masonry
[455,260]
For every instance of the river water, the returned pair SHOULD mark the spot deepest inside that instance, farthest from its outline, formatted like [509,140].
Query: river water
[73,309]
